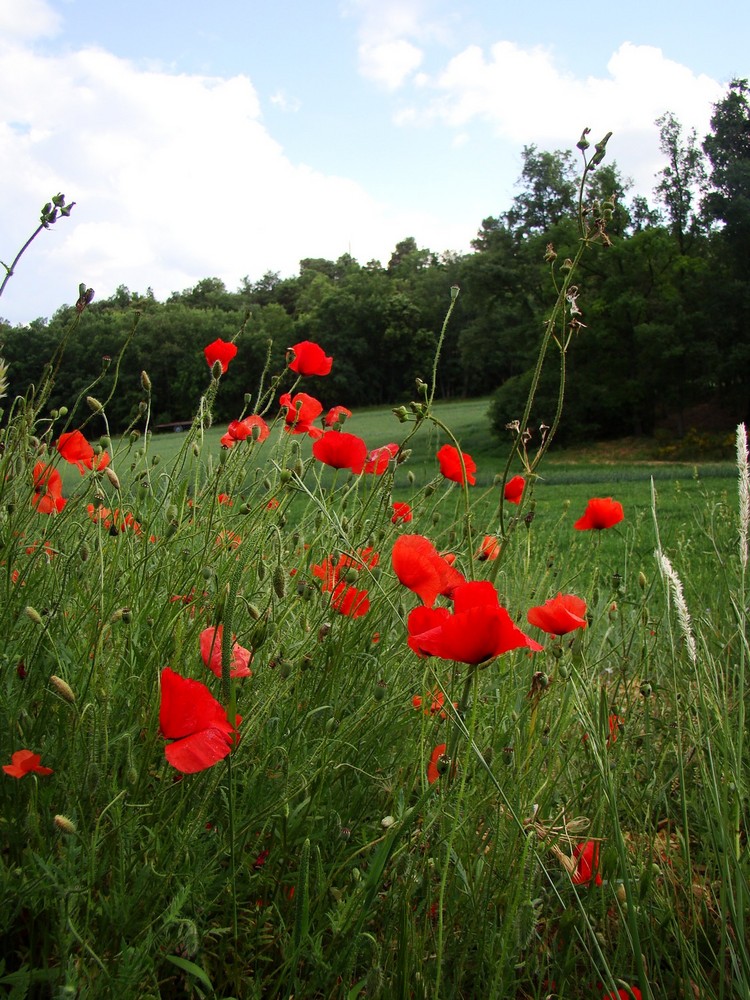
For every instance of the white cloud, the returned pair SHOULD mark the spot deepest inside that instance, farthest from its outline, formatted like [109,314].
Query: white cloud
[27,19]
[175,178]
[524,97]
[389,63]
[289,105]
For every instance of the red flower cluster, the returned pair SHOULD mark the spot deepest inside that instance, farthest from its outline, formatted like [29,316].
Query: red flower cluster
[402,512]
[240,430]
[490,548]
[337,580]
[436,703]
[220,351]
[420,567]
[450,464]
[301,410]
[309,359]
[587,869]
[75,449]
[48,498]
[196,722]
[378,459]
[514,489]
[114,520]
[210,641]
[479,629]
[25,762]
[341,451]
[624,994]
[559,615]
[600,513]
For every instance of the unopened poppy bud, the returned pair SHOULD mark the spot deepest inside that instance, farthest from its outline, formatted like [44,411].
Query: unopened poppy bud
[299,468]
[34,615]
[145,381]
[379,692]
[142,406]
[435,516]
[284,476]
[279,581]
[216,370]
[642,581]
[84,552]
[248,397]
[429,489]
[64,824]
[403,456]
[63,411]
[254,611]
[94,405]
[196,449]
[401,413]
[410,477]
[63,688]
[112,477]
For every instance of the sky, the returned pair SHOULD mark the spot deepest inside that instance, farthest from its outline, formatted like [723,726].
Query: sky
[233,138]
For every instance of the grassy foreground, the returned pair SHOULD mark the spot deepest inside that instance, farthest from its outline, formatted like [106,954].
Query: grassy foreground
[569,822]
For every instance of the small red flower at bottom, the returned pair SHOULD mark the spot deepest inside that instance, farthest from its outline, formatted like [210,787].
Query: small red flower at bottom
[433,769]
[624,994]
[25,762]
[195,721]
[587,869]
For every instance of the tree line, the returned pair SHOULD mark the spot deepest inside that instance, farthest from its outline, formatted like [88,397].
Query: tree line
[665,309]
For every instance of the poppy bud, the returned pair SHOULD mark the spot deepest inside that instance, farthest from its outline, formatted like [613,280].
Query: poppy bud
[435,516]
[379,692]
[253,611]
[284,476]
[410,477]
[63,688]
[401,413]
[642,581]
[285,668]
[34,615]
[145,381]
[196,449]
[429,489]
[84,552]
[94,404]
[216,370]
[112,477]
[63,411]
[64,824]
[279,581]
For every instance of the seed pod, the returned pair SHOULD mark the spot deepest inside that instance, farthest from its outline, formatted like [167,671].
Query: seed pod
[64,824]
[63,688]
[279,581]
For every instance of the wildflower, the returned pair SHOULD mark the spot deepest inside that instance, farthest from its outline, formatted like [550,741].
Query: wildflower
[75,449]
[195,721]
[220,351]
[114,520]
[301,410]
[422,620]
[600,513]
[624,994]
[433,768]
[421,568]
[514,489]
[450,464]
[478,630]
[437,701]
[210,643]
[347,600]
[48,498]
[489,549]
[337,415]
[309,359]
[587,868]
[239,430]
[401,512]
[25,762]
[378,459]
[331,573]
[224,498]
[559,615]
[341,451]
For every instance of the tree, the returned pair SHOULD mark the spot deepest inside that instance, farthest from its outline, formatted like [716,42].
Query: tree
[728,149]
[549,191]
[682,180]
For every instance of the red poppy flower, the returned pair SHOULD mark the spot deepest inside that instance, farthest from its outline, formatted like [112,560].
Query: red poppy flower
[25,762]
[478,630]
[240,430]
[378,459]
[420,567]
[433,772]
[75,449]
[210,642]
[301,410]
[331,572]
[490,548]
[341,451]
[337,415]
[624,994]
[601,512]
[560,615]
[220,351]
[309,359]
[587,869]
[347,600]
[225,499]
[114,520]
[450,464]
[401,512]
[48,498]
[196,722]
[514,489]
[422,620]
[437,701]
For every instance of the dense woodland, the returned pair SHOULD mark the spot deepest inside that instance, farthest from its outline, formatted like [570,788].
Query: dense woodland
[665,308]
